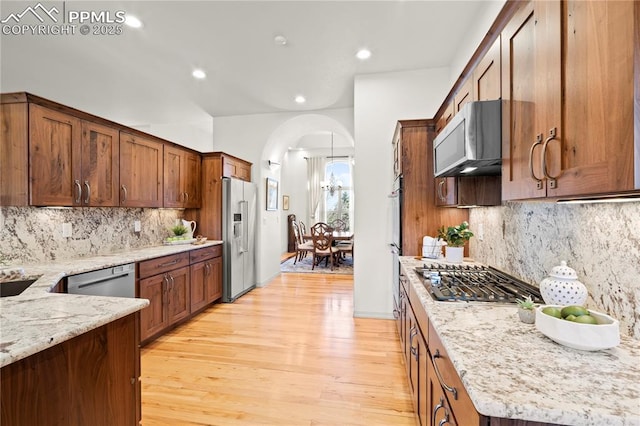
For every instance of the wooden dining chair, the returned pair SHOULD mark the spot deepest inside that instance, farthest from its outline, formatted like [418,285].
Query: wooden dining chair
[339,225]
[303,231]
[322,235]
[302,247]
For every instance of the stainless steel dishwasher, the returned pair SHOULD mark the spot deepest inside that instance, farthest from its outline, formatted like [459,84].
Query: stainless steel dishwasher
[117,281]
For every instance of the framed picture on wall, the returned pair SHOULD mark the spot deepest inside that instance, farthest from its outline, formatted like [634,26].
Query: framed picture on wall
[272,194]
[285,202]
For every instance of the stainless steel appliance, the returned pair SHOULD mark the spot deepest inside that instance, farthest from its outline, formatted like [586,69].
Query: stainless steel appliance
[474,283]
[238,235]
[396,238]
[117,281]
[471,143]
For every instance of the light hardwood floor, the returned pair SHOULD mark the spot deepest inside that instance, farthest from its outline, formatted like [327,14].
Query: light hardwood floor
[289,353]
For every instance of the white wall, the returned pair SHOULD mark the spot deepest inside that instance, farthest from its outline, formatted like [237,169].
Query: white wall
[473,37]
[380,100]
[261,137]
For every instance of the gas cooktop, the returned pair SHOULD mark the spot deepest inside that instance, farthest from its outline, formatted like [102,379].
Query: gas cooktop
[474,283]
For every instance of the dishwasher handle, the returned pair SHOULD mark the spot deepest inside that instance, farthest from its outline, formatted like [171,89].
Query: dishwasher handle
[100,280]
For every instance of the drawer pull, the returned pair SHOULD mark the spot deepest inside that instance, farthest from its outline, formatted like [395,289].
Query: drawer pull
[446,387]
[79,192]
[173,262]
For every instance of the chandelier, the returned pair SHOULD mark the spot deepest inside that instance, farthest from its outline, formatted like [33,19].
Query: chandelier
[333,184]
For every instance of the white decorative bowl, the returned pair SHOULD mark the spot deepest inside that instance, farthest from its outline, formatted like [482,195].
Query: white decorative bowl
[586,337]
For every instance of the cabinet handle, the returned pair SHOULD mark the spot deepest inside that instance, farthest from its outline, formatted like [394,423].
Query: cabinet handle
[436,409]
[133,380]
[173,281]
[165,299]
[412,334]
[173,262]
[445,420]
[440,185]
[552,179]
[86,184]
[531,172]
[186,197]
[446,387]
[79,188]
[124,193]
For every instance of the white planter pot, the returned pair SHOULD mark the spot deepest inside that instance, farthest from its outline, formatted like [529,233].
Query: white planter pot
[454,254]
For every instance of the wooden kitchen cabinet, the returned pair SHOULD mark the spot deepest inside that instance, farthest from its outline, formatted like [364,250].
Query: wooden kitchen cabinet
[445,118]
[419,215]
[468,191]
[206,276]
[464,95]
[54,158]
[181,178]
[215,166]
[72,162]
[568,84]
[141,171]
[165,281]
[14,154]
[487,75]
[235,167]
[90,379]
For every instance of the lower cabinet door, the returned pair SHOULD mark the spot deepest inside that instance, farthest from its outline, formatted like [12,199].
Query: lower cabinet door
[179,295]
[214,279]
[153,318]
[199,276]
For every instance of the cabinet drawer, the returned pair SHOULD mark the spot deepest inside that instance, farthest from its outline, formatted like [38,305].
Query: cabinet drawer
[461,405]
[205,253]
[162,264]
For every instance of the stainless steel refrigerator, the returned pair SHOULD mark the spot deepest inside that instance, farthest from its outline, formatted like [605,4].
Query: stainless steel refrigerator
[238,235]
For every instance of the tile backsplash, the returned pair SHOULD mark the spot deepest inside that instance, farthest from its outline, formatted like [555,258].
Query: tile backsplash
[600,241]
[33,234]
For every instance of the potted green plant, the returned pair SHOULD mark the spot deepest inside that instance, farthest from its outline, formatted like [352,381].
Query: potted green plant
[178,231]
[455,237]
[526,310]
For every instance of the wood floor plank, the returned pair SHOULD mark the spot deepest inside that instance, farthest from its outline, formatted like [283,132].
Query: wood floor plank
[289,353]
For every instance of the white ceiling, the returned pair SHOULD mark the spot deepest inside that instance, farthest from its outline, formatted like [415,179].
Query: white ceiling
[144,76]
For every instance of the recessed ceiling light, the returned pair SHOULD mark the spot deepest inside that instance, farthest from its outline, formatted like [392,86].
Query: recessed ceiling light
[132,21]
[363,54]
[280,40]
[199,74]
[300,99]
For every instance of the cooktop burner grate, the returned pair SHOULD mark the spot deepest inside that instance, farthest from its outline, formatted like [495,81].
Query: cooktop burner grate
[474,283]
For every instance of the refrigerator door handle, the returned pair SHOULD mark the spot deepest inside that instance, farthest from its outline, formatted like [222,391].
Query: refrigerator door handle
[245,226]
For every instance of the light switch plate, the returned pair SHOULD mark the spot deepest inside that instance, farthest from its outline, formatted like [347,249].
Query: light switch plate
[137,227]
[66,230]
[480,231]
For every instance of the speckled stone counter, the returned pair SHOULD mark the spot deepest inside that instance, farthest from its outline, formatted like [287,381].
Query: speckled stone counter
[36,319]
[511,370]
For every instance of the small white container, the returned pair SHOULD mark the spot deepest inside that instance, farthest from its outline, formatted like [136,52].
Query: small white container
[585,337]
[562,287]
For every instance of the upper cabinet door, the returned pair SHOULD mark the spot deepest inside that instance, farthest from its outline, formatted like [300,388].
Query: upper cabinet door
[173,177]
[100,165]
[192,163]
[140,171]
[597,153]
[486,76]
[464,95]
[181,178]
[54,158]
[531,70]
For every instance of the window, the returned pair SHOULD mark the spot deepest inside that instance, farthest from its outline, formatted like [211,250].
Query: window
[339,204]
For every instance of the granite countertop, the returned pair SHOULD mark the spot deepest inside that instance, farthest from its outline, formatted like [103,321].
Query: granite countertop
[511,370]
[37,319]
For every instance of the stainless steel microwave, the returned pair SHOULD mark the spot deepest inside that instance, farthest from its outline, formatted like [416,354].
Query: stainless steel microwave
[471,143]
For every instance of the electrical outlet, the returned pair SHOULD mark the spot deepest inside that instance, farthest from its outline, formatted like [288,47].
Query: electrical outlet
[66,230]
[137,227]
[480,231]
